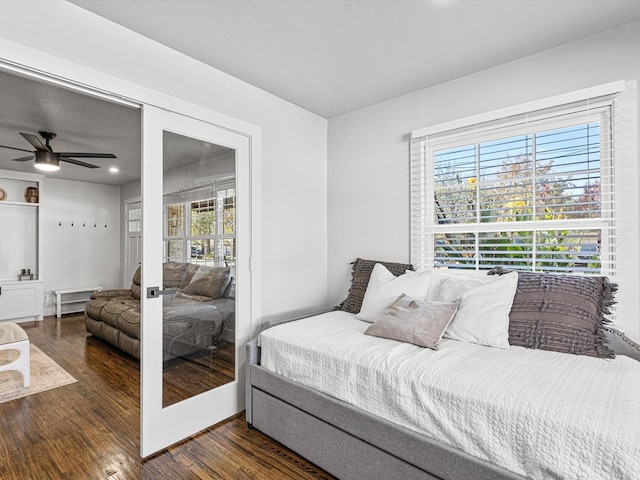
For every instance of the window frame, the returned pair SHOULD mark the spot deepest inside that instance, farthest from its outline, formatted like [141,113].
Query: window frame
[424,226]
[478,228]
[215,193]
[627,197]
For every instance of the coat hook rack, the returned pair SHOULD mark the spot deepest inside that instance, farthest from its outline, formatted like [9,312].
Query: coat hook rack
[84,223]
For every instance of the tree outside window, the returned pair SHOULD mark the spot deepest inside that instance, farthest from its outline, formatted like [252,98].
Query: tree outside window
[527,201]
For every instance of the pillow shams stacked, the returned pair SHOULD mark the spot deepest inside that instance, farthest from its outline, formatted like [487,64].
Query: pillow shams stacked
[385,288]
[485,303]
[480,303]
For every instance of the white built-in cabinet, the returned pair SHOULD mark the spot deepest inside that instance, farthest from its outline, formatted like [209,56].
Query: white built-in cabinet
[21,300]
[21,281]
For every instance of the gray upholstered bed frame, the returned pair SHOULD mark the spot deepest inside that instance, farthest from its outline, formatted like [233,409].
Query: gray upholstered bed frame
[352,444]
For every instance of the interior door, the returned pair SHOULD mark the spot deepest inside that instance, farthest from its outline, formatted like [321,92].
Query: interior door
[195,221]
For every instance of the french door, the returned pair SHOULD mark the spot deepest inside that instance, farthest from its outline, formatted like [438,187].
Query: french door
[192,356]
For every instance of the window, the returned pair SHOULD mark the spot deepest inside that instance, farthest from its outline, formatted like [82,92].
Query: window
[200,225]
[134,219]
[530,191]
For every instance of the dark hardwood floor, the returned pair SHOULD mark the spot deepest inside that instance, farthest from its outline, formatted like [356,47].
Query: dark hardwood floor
[199,372]
[90,429]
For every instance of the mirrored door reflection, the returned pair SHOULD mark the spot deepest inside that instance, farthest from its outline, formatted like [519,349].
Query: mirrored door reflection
[199,240]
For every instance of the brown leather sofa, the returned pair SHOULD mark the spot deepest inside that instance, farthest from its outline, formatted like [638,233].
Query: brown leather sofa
[193,316]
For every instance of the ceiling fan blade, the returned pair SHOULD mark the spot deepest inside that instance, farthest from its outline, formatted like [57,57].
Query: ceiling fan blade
[78,162]
[36,142]
[87,155]
[23,159]
[14,148]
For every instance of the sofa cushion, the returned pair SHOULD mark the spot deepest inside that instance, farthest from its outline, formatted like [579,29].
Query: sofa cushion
[113,311]
[207,282]
[177,274]
[129,322]
[194,298]
[110,294]
[135,284]
[94,307]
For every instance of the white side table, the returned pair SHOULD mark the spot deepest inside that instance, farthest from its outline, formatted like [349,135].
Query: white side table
[12,337]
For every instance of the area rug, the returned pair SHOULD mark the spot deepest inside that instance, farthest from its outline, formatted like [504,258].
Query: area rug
[45,375]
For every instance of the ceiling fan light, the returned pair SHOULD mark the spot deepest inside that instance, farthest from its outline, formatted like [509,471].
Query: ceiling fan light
[48,162]
[47,167]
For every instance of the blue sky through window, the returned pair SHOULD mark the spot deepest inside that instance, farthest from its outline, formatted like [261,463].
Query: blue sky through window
[569,150]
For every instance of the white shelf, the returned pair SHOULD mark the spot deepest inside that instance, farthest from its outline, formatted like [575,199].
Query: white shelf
[79,297]
[21,300]
[19,204]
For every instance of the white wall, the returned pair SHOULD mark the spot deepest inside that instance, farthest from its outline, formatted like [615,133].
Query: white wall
[294,141]
[79,255]
[368,162]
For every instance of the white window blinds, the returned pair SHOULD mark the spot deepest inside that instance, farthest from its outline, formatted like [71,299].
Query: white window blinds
[529,191]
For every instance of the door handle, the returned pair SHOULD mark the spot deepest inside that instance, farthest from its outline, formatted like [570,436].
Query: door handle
[155,292]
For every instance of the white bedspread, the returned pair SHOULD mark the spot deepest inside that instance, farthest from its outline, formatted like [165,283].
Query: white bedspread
[537,413]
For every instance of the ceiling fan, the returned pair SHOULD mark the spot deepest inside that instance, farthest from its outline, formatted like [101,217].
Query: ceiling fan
[48,160]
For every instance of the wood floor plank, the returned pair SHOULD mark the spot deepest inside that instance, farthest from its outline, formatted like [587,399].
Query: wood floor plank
[90,429]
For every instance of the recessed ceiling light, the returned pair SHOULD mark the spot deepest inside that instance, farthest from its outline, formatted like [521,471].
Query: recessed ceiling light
[114,170]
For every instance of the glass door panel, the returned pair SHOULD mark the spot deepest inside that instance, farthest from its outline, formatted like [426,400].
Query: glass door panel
[200,307]
[192,345]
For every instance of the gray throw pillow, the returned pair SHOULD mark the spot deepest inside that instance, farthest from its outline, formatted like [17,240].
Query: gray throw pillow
[419,322]
[562,313]
[177,274]
[207,282]
[360,279]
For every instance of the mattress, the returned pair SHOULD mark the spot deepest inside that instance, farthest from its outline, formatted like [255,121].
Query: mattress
[537,413]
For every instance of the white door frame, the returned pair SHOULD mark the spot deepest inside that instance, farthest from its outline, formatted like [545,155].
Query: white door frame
[161,427]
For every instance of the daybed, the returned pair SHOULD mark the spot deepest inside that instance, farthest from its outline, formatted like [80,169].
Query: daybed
[361,406]
[193,316]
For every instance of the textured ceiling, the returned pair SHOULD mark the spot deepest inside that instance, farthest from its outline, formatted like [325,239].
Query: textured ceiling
[336,56]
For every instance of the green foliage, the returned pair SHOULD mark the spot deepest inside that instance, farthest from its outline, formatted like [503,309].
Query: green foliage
[507,198]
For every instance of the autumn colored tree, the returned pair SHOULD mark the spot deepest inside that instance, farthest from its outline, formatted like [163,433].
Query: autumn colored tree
[508,196]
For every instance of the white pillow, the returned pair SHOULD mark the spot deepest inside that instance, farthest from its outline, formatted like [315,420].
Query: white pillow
[485,303]
[385,288]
